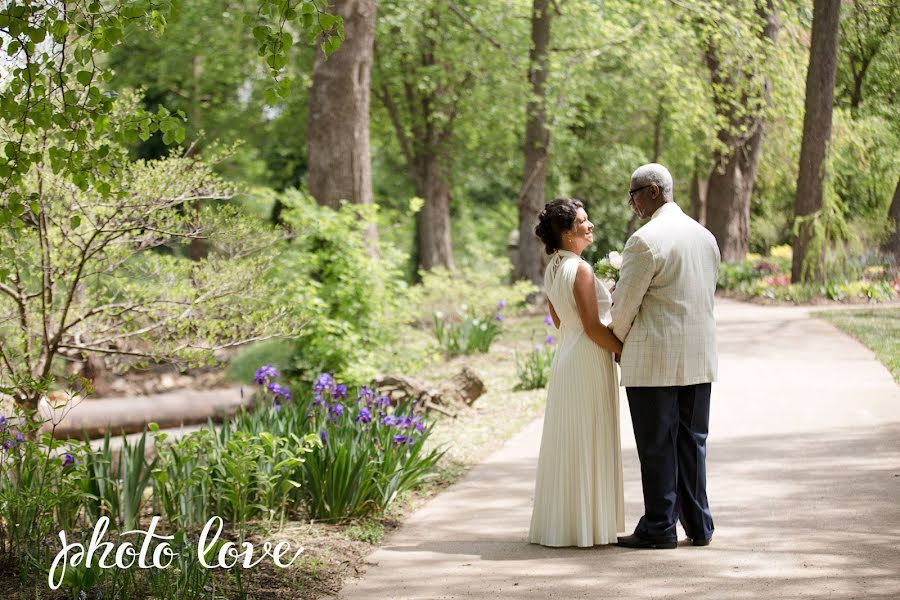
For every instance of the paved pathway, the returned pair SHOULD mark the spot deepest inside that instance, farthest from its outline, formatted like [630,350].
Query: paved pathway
[804,472]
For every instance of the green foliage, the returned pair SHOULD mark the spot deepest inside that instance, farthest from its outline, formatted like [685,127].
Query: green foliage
[362,468]
[533,370]
[115,488]
[351,301]
[117,282]
[480,289]
[370,531]
[39,491]
[371,452]
[277,352]
[469,333]
[770,277]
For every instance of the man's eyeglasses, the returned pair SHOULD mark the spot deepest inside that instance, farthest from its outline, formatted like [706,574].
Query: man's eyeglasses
[631,193]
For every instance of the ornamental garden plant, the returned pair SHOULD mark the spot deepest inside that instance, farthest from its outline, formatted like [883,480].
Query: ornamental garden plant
[315,453]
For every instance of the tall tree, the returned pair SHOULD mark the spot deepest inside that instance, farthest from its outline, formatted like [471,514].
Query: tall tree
[740,95]
[340,167]
[820,80]
[537,141]
[426,62]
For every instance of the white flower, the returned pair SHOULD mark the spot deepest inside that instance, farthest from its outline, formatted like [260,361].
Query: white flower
[615,260]
[438,314]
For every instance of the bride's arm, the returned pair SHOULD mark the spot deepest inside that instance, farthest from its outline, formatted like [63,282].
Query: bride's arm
[586,301]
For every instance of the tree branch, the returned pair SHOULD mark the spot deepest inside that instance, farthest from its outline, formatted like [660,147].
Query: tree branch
[459,13]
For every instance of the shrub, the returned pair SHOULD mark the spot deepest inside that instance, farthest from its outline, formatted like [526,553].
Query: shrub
[770,277]
[371,452]
[352,302]
[533,370]
[471,333]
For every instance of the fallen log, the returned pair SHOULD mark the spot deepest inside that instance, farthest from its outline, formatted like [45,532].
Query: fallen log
[73,417]
[460,391]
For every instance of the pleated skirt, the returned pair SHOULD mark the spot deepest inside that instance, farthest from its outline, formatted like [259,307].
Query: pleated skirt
[578,493]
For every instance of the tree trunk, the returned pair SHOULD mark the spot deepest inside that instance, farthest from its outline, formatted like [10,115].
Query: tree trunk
[433,221]
[730,184]
[893,243]
[728,196]
[340,166]
[532,256]
[699,186]
[816,130]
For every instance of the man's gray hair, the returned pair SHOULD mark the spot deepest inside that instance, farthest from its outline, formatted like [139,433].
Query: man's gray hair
[654,173]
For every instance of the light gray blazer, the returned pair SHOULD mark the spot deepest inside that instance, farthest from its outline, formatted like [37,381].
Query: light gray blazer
[663,303]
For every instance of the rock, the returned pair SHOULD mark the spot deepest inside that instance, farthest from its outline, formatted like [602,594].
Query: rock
[167,382]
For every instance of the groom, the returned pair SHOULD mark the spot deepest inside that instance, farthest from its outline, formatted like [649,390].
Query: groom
[663,311]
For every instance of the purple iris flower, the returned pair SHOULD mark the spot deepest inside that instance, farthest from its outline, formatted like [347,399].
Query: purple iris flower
[323,435]
[3,423]
[501,305]
[264,374]
[279,391]
[340,391]
[364,416]
[324,385]
[366,394]
[277,407]
[548,320]
[550,340]
[337,410]
[383,401]
[389,421]
[403,439]
[499,318]
[68,460]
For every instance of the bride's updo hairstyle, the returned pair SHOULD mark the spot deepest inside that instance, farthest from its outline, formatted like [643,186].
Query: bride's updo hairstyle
[557,217]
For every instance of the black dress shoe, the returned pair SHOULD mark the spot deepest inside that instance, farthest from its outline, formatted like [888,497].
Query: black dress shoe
[633,541]
[700,542]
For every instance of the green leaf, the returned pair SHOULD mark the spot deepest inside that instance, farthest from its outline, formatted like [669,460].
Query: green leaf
[75,221]
[84,77]
[326,20]
[60,29]
[261,33]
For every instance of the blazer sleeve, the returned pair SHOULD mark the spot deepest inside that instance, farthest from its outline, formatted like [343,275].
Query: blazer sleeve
[638,268]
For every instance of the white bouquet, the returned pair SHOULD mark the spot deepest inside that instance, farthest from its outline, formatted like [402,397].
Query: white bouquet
[607,269]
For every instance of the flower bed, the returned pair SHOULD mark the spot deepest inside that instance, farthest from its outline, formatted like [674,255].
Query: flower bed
[310,453]
[768,279]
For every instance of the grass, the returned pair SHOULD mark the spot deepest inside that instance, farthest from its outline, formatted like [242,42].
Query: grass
[878,329]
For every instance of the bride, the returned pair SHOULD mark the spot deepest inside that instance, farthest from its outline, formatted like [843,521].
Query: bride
[578,496]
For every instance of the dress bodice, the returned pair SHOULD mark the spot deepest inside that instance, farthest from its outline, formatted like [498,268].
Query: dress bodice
[559,282]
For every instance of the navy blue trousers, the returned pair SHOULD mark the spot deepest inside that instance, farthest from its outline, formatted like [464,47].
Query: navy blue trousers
[670,428]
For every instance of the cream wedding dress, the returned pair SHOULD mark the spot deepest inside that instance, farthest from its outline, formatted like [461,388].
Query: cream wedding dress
[578,496]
